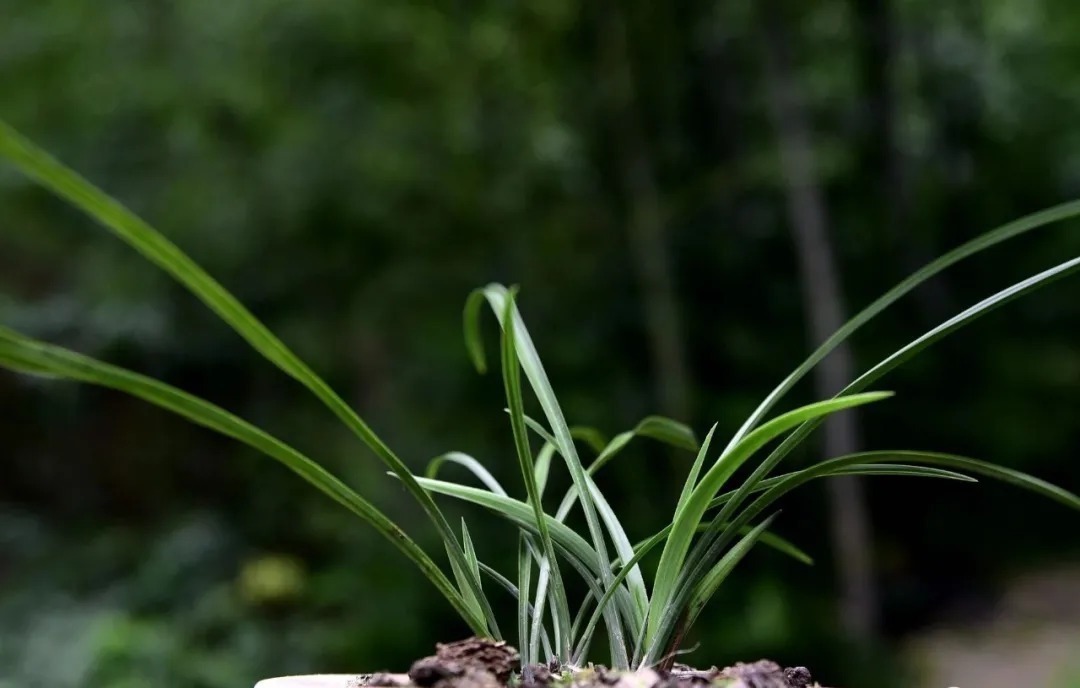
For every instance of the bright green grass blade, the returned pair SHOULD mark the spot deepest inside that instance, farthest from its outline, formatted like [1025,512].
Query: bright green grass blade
[521,514]
[590,436]
[475,467]
[474,568]
[1012,229]
[670,568]
[543,466]
[497,297]
[676,618]
[949,461]
[67,184]
[707,551]
[658,428]
[525,588]
[634,581]
[965,317]
[668,431]
[543,581]
[772,540]
[644,548]
[539,429]
[655,427]
[901,355]
[624,571]
[582,433]
[577,550]
[19,353]
[783,546]
[583,613]
[528,610]
[470,549]
[850,465]
[549,570]
[858,469]
[723,568]
[474,342]
[695,471]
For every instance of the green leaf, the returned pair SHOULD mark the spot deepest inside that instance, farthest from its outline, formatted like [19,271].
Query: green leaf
[668,431]
[590,436]
[474,342]
[846,463]
[549,570]
[474,467]
[543,467]
[708,586]
[708,549]
[670,568]
[901,355]
[655,427]
[772,540]
[497,297]
[950,461]
[474,569]
[700,582]
[64,182]
[695,471]
[526,611]
[562,625]
[782,545]
[1005,232]
[18,352]
[857,469]
[577,550]
[539,429]
[631,564]
[524,585]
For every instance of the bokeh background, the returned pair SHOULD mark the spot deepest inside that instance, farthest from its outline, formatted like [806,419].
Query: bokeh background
[649,173]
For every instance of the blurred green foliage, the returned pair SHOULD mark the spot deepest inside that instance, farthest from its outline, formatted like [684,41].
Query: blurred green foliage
[352,169]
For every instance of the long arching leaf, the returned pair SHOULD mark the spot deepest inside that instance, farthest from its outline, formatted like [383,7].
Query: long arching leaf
[111,214]
[669,570]
[21,353]
[1005,232]
[904,353]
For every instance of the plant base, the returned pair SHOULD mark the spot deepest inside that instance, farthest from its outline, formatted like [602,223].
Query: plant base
[479,663]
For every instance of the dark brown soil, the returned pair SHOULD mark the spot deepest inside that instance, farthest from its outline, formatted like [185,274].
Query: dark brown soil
[480,663]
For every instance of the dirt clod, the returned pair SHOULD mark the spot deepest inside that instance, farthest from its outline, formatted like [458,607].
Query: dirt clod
[428,671]
[480,663]
[798,677]
[535,676]
[762,674]
[465,663]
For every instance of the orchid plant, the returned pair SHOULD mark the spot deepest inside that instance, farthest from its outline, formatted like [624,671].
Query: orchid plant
[712,527]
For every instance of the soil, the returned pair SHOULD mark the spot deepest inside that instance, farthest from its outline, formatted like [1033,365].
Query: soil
[481,663]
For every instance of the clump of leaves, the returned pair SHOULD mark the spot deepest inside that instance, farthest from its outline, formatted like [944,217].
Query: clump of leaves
[712,527]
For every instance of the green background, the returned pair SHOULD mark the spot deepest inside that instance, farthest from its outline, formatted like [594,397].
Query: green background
[352,169]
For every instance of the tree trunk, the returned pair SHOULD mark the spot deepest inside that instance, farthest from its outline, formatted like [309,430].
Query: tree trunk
[823,306]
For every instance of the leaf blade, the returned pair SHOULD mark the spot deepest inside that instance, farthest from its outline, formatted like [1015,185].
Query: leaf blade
[672,558]
[157,249]
[18,351]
